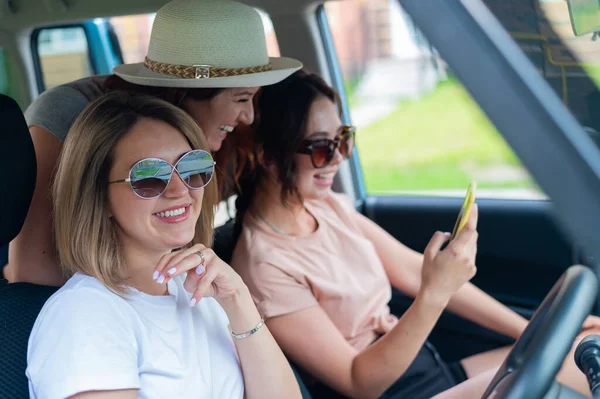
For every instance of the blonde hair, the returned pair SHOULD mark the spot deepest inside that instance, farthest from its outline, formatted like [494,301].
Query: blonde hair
[86,237]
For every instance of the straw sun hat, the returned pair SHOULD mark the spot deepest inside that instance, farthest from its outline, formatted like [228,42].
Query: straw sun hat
[208,43]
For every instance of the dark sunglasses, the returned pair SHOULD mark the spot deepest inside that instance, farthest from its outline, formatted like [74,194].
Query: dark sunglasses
[150,177]
[321,151]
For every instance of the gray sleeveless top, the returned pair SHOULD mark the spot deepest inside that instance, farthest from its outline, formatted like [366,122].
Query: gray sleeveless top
[56,109]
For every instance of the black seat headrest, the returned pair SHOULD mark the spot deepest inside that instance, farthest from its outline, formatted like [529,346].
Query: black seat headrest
[17,157]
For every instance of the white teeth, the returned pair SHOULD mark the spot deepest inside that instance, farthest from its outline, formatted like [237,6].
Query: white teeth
[326,176]
[171,213]
[226,128]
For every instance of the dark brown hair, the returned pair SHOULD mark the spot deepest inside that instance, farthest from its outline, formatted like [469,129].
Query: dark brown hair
[173,95]
[278,131]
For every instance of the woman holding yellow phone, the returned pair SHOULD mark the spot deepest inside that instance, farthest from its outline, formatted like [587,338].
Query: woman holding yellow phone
[321,273]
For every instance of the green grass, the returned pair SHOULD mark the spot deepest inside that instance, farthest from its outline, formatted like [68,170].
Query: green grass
[350,86]
[440,141]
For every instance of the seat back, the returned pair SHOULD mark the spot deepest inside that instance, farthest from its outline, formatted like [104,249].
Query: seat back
[17,162]
[224,242]
[20,303]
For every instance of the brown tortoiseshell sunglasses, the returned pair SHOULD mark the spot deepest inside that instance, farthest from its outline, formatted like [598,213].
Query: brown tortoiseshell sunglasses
[321,151]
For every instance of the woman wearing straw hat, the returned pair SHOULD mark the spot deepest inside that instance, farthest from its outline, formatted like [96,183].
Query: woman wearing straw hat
[207,57]
[134,193]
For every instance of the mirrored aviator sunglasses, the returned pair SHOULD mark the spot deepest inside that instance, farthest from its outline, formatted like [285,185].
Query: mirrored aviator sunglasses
[150,177]
[321,151]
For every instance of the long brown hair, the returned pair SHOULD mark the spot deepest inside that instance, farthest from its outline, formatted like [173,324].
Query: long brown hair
[86,236]
[279,129]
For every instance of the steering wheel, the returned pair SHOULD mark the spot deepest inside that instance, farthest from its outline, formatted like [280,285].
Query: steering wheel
[536,358]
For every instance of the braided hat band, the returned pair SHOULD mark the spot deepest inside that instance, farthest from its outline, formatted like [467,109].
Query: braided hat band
[201,71]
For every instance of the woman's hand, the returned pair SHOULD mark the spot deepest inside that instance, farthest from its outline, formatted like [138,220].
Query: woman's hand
[591,323]
[446,271]
[207,274]
[590,326]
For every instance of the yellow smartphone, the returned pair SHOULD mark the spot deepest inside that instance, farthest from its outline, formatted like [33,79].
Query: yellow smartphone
[465,210]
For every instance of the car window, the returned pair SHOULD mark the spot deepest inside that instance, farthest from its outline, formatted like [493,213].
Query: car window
[419,131]
[7,85]
[133,33]
[62,54]
[569,63]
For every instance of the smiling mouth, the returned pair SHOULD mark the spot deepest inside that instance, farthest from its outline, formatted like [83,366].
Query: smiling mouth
[172,212]
[226,128]
[325,176]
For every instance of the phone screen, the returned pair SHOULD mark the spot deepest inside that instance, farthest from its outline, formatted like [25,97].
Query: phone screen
[465,210]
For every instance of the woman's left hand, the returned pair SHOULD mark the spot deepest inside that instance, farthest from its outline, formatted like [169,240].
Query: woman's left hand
[590,326]
[592,322]
[207,274]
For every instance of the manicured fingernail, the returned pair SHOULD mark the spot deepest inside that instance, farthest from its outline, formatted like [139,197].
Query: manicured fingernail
[200,269]
[193,302]
[155,275]
[172,270]
[161,279]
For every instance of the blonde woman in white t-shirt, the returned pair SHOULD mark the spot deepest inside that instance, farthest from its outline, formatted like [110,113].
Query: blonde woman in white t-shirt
[146,310]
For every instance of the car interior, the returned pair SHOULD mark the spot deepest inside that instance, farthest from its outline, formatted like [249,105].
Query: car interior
[529,65]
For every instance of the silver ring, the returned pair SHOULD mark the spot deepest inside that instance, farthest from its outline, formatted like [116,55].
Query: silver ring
[201,255]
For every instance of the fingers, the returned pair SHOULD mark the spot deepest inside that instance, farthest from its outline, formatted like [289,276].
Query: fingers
[204,287]
[158,275]
[474,216]
[436,242]
[193,277]
[468,234]
[591,322]
[178,262]
[187,261]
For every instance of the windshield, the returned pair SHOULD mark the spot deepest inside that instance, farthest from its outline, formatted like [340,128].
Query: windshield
[569,63]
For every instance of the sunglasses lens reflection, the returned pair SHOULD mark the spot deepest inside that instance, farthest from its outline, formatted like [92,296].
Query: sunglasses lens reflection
[150,177]
[196,168]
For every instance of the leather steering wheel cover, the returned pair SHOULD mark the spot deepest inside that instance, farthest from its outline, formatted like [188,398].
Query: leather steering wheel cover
[538,354]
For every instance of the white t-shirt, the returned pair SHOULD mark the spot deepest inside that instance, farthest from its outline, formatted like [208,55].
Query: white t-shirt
[88,338]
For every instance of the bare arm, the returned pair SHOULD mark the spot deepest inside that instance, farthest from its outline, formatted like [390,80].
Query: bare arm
[311,339]
[120,394]
[32,254]
[403,267]
[267,373]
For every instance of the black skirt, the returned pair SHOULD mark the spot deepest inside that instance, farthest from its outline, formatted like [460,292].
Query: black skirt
[427,376]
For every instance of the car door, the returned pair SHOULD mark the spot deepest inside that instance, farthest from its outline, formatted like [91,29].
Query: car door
[422,138]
